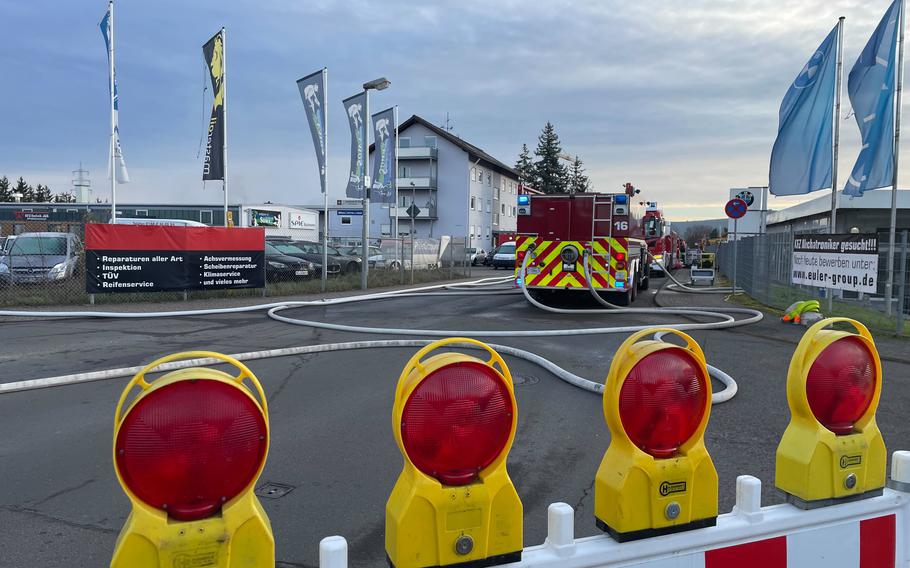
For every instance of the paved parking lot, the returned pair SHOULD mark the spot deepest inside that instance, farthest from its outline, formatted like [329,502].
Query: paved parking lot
[60,504]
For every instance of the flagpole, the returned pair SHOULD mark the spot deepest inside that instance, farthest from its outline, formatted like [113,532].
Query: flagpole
[836,147]
[395,115]
[365,245]
[113,143]
[224,144]
[837,107]
[889,285]
[325,184]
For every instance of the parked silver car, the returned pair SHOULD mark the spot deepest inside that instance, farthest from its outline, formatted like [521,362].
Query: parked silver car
[40,257]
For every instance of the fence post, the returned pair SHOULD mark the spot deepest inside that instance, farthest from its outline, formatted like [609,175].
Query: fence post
[901,299]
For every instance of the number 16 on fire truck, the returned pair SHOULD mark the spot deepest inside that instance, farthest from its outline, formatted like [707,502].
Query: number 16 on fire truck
[557,232]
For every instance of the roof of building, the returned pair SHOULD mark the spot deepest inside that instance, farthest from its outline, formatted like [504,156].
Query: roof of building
[878,199]
[474,153]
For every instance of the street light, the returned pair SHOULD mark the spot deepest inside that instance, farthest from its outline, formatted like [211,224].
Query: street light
[413,233]
[379,84]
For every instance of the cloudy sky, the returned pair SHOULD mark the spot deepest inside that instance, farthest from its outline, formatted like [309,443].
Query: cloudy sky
[680,98]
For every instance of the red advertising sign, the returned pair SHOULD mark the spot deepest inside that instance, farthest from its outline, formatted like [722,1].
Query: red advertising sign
[154,258]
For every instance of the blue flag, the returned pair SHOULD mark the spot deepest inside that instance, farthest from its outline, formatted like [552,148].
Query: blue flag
[107,30]
[803,153]
[871,89]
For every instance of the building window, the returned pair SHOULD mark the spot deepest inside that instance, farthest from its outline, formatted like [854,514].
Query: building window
[142,212]
[489,178]
[404,142]
[429,141]
[472,231]
[473,174]
[513,212]
[497,194]
[386,229]
[479,175]
[404,171]
[404,200]
[502,208]
[345,220]
[205,216]
[495,218]
[489,207]
[472,203]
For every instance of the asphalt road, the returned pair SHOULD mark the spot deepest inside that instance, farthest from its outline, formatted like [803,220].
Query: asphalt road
[60,503]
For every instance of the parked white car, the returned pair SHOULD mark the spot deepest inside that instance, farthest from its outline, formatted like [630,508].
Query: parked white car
[505,256]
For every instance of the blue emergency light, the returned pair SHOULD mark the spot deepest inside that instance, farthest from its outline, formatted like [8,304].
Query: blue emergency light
[622,199]
[524,199]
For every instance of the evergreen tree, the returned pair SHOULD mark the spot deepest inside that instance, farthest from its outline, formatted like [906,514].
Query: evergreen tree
[524,166]
[578,181]
[43,194]
[27,191]
[549,174]
[6,194]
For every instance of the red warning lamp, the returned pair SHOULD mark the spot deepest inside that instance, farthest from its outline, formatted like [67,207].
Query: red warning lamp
[191,446]
[457,421]
[188,448]
[662,401]
[840,385]
[619,256]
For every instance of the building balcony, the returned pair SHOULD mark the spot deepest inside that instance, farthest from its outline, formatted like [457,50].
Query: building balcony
[419,183]
[426,213]
[418,153]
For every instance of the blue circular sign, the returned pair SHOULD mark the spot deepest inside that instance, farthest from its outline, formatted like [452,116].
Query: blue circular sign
[736,208]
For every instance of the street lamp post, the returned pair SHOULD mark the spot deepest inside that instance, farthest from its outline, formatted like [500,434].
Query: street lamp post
[379,84]
[413,233]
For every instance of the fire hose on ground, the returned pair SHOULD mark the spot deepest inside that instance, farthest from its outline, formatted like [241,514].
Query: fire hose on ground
[447,290]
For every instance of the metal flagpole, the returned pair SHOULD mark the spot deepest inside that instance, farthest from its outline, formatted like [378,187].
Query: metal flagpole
[224,146]
[889,285]
[837,106]
[113,144]
[395,221]
[835,160]
[365,246]
[325,181]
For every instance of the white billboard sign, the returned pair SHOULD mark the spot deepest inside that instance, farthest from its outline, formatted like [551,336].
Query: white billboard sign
[841,262]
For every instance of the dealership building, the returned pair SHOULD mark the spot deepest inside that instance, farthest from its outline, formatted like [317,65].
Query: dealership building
[17,218]
[870,213]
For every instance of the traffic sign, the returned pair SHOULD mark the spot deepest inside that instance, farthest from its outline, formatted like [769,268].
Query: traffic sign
[736,208]
[413,211]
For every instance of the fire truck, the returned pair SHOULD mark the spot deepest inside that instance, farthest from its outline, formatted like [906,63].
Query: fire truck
[558,230]
[667,248]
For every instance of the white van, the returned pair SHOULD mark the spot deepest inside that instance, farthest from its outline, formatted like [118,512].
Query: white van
[164,222]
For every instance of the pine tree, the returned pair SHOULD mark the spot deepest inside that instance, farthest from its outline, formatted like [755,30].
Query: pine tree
[578,181]
[6,194]
[25,190]
[524,166]
[549,174]
[43,194]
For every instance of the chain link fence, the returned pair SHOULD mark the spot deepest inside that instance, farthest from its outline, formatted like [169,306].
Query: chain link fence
[764,271]
[43,264]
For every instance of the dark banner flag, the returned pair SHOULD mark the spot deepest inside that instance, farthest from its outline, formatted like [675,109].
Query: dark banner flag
[312,91]
[213,51]
[355,109]
[385,134]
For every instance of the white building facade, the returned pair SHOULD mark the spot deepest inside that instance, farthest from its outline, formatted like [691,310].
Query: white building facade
[460,190]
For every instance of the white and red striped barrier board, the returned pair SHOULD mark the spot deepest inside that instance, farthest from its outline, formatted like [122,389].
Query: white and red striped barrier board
[872,533]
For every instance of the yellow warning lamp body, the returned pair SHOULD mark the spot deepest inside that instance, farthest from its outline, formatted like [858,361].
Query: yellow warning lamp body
[638,495]
[816,466]
[476,522]
[238,534]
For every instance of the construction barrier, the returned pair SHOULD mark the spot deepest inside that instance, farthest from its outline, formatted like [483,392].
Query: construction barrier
[454,420]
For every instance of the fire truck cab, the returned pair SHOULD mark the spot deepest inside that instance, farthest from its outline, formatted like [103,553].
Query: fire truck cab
[559,231]
[665,245]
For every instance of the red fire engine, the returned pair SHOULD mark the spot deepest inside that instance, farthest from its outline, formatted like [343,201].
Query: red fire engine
[556,230]
[667,248]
